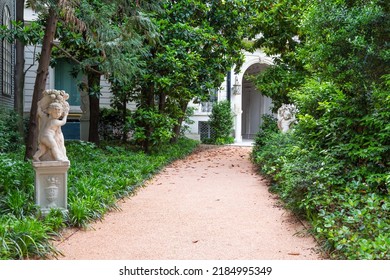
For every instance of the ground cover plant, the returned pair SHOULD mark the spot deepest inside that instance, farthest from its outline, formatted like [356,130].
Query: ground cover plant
[97,178]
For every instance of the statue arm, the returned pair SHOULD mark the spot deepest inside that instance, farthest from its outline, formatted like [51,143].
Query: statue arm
[64,119]
[40,112]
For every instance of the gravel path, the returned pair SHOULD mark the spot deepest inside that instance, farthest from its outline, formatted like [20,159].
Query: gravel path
[210,206]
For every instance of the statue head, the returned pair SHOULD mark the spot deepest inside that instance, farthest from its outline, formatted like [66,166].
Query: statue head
[55,110]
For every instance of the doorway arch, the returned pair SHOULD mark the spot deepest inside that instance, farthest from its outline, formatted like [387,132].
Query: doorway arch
[254,104]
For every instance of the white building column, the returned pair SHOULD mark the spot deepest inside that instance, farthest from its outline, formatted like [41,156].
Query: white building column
[236,103]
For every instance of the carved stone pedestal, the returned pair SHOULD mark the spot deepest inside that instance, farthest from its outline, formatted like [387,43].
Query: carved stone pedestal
[51,185]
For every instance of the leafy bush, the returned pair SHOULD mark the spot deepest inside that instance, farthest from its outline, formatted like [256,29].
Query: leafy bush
[151,128]
[334,168]
[348,214]
[268,126]
[16,176]
[10,138]
[221,123]
[111,124]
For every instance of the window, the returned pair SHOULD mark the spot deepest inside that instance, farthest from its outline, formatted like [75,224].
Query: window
[205,130]
[208,105]
[65,80]
[7,56]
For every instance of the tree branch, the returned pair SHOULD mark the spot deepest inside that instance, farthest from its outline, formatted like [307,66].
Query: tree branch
[25,72]
[89,68]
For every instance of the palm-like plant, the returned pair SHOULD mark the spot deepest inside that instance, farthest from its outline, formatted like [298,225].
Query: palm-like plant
[115,44]
[52,10]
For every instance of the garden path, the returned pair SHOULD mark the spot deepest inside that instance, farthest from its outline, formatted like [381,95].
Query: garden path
[209,206]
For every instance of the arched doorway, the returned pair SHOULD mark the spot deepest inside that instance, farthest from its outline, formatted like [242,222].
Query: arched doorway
[254,104]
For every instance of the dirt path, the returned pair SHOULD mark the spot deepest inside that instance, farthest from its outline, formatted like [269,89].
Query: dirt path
[211,205]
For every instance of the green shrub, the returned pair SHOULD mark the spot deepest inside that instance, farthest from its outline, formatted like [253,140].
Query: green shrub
[221,123]
[150,128]
[16,181]
[10,137]
[348,215]
[334,168]
[56,219]
[268,126]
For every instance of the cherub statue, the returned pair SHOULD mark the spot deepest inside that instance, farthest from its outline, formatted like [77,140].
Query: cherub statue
[286,117]
[53,112]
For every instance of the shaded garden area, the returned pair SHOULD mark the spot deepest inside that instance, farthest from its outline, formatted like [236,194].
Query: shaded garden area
[331,60]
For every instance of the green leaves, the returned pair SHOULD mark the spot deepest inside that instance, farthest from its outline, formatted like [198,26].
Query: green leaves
[333,168]
[25,238]
[348,214]
[151,128]
[346,43]
[221,123]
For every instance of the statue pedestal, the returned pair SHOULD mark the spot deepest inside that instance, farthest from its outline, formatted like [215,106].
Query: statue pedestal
[51,189]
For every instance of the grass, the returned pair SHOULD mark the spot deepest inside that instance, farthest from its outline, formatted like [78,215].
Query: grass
[97,178]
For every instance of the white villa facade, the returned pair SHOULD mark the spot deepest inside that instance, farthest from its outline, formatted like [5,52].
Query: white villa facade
[248,104]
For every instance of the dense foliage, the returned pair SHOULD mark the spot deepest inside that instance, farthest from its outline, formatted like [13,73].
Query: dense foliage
[97,179]
[157,54]
[200,41]
[334,167]
[221,124]
[10,138]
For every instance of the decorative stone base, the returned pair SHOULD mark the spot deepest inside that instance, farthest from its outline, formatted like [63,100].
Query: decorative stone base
[51,189]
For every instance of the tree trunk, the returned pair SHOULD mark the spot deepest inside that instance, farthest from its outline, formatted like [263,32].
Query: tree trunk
[124,120]
[19,69]
[94,107]
[162,102]
[148,93]
[177,127]
[40,82]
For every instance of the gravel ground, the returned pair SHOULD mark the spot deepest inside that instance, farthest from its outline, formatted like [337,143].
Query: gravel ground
[209,206]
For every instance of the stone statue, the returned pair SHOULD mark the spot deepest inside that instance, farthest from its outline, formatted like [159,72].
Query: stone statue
[286,117]
[53,111]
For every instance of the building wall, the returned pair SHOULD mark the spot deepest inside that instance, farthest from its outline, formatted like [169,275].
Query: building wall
[7,100]
[31,66]
[77,125]
[201,115]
